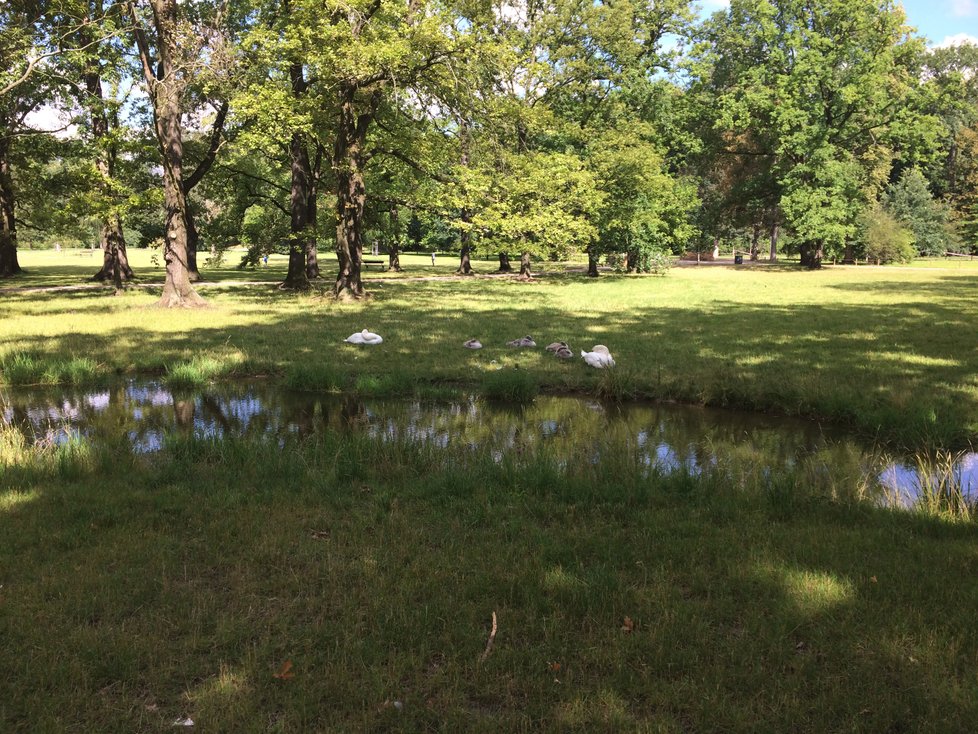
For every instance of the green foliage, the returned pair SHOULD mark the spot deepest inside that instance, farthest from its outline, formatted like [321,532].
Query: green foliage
[910,201]
[884,239]
[535,202]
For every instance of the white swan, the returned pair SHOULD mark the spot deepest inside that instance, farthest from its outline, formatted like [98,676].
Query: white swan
[473,344]
[598,357]
[364,337]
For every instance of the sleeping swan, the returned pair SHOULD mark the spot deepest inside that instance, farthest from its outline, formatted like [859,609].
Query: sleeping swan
[598,357]
[364,337]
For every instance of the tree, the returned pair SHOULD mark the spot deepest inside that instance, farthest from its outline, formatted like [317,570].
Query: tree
[827,81]
[173,38]
[910,201]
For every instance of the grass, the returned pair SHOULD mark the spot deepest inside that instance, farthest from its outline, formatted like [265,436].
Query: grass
[179,584]
[136,590]
[887,351]
[510,385]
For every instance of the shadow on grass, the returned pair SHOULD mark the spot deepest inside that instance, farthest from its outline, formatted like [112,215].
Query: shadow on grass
[182,586]
[898,370]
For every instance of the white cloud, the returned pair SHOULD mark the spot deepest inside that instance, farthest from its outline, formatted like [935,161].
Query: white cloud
[964,8]
[959,39]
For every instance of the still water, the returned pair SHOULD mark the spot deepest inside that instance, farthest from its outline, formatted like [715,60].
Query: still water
[668,437]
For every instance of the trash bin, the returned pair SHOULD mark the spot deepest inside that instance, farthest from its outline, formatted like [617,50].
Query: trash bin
[738,259]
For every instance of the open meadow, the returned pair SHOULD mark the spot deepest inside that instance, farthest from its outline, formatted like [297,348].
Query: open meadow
[339,583]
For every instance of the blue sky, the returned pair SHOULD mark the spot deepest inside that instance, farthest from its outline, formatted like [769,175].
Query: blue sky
[942,21]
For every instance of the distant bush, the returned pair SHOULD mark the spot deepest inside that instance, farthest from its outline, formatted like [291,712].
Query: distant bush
[885,240]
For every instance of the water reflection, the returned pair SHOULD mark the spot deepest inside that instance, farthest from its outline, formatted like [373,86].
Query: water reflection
[668,437]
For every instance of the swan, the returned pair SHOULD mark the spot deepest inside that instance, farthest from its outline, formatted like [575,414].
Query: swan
[364,337]
[564,353]
[599,358]
[556,346]
[473,344]
[523,341]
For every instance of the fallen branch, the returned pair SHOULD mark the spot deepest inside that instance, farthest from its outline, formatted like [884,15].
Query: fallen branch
[492,638]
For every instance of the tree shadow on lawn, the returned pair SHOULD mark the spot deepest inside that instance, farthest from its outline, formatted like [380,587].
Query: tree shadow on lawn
[869,365]
[745,616]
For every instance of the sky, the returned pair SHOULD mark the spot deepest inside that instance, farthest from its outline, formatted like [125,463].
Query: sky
[943,22]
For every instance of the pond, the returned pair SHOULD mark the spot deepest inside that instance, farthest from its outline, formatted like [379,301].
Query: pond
[666,436]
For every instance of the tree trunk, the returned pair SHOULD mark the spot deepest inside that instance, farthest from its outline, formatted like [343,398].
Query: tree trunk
[115,262]
[166,86]
[592,264]
[631,261]
[525,273]
[774,242]
[394,243]
[351,194]
[8,223]
[465,255]
[755,239]
[465,236]
[811,255]
[297,278]
[504,265]
[193,239]
[312,210]
[312,217]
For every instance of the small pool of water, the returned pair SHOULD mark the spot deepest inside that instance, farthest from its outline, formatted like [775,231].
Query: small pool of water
[669,437]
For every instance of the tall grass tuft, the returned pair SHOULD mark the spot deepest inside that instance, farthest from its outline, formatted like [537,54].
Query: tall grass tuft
[22,368]
[940,488]
[313,378]
[195,373]
[617,385]
[511,385]
[372,386]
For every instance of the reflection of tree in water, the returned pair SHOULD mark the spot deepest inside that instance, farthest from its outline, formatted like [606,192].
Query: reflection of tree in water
[576,434]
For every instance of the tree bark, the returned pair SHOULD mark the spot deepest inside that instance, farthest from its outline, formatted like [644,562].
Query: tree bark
[193,239]
[504,265]
[811,255]
[312,218]
[165,86]
[351,194]
[592,264]
[115,262]
[774,241]
[465,236]
[465,256]
[755,239]
[297,277]
[394,242]
[631,261]
[8,222]
[525,272]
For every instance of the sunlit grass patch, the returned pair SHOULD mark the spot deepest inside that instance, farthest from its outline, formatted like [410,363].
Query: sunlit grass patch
[22,368]
[199,371]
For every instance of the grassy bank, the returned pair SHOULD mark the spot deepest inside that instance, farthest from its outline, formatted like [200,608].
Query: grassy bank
[138,590]
[890,352]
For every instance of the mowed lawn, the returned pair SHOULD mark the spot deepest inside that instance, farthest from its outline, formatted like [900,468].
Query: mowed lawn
[892,352]
[342,584]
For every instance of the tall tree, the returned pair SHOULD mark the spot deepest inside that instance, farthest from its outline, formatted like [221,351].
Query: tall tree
[175,40]
[827,81]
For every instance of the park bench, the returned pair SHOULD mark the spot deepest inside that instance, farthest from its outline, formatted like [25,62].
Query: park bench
[375,261]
